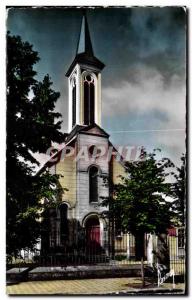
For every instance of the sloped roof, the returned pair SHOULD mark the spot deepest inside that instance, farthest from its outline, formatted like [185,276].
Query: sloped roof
[84,43]
[85,129]
[84,52]
[79,129]
[72,137]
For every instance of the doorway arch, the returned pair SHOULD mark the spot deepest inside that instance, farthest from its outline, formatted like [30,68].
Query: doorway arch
[93,234]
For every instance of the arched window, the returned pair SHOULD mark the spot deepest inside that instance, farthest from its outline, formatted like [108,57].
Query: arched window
[93,184]
[64,230]
[89,99]
[92,102]
[73,102]
[86,103]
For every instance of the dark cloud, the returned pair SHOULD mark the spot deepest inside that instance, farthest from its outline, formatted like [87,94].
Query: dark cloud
[122,37]
[144,52]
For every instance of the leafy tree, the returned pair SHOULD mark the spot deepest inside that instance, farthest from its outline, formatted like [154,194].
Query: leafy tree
[32,125]
[179,191]
[138,203]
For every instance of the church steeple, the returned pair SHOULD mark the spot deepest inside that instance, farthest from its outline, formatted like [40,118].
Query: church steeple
[84,77]
[84,43]
[84,52]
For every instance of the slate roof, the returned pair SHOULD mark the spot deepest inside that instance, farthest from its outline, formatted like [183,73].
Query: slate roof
[85,53]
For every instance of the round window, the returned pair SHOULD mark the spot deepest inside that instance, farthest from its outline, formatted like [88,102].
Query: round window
[88,77]
[94,151]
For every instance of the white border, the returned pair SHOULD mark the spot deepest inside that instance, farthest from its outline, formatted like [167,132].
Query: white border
[3,4]
[96,2]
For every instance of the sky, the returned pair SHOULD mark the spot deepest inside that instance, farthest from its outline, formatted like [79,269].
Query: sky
[144,80]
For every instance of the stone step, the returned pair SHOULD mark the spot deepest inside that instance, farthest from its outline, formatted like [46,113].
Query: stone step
[86,271]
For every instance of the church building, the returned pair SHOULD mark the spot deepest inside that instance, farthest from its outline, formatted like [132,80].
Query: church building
[79,222]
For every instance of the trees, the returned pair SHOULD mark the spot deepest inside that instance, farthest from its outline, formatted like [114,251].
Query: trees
[31,127]
[179,192]
[138,203]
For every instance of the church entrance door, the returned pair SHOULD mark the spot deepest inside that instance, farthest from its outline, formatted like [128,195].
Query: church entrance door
[93,235]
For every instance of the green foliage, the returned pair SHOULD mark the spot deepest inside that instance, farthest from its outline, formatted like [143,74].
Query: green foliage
[120,257]
[179,192]
[31,127]
[138,202]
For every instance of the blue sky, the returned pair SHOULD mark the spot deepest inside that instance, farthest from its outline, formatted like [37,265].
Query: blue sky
[144,81]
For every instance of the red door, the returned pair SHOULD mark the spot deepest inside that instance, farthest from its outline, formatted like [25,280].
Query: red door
[93,236]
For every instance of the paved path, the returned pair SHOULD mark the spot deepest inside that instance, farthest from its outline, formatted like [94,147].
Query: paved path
[72,287]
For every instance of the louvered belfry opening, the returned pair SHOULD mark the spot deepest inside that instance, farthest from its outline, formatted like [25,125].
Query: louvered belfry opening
[89,100]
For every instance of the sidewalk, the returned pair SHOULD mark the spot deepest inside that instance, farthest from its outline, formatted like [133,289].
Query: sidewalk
[86,287]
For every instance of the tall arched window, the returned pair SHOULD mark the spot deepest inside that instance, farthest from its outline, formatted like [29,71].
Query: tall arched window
[86,103]
[93,184]
[64,230]
[73,102]
[89,99]
[92,102]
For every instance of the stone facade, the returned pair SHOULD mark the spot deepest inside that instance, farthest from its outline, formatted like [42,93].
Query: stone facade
[83,202]
[75,183]
[83,175]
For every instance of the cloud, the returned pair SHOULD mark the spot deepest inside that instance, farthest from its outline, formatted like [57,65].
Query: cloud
[148,94]
[144,52]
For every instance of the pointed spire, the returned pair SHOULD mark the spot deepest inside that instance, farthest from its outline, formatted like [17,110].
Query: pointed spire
[84,53]
[84,43]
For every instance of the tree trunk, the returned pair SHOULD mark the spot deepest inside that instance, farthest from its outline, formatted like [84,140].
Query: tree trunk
[142,273]
[139,246]
[140,253]
[163,251]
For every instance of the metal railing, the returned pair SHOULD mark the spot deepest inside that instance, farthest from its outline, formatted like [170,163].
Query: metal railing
[118,249]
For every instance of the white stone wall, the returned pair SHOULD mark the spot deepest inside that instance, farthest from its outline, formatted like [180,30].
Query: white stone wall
[83,206]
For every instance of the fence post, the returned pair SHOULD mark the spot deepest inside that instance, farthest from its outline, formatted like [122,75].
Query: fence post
[173,275]
[128,245]
[158,275]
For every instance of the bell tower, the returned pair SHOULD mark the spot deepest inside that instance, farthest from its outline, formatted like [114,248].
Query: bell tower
[84,82]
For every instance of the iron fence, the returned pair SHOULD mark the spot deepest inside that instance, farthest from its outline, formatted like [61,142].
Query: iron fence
[109,249]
